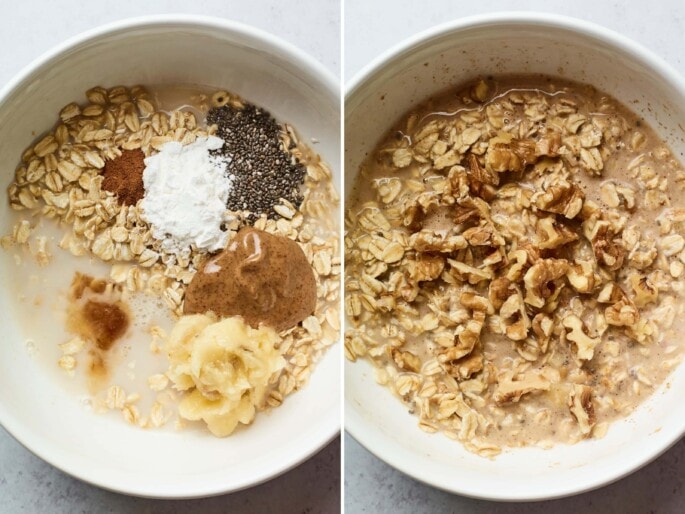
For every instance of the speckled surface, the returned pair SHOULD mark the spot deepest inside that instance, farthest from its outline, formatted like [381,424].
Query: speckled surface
[371,486]
[31,27]
[29,485]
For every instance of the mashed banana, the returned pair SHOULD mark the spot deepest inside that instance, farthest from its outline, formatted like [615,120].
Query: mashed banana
[224,366]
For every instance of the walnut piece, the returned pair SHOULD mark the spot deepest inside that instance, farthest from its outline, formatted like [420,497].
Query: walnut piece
[511,391]
[581,275]
[540,280]
[426,268]
[465,368]
[553,234]
[483,235]
[470,209]
[561,197]
[465,358]
[581,406]
[645,291]
[543,326]
[413,217]
[622,312]
[481,178]
[466,338]
[475,302]
[607,251]
[499,290]
[513,155]
[513,314]
[585,345]
[406,360]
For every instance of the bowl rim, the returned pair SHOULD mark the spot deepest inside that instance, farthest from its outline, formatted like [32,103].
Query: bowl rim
[364,432]
[329,428]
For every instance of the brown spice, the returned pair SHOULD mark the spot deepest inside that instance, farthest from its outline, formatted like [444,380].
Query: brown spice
[99,316]
[124,176]
[95,313]
[107,322]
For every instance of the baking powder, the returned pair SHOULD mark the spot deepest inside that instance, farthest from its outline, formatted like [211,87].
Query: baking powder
[186,190]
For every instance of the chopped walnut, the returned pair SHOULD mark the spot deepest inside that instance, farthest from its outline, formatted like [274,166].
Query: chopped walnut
[540,280]
[561,197]
[607,251]
[511,391]
[513,313]
[622,312]
[510,154]
[581,406]
[543,326]
[483,235]
[610,293]
[465,368]
[413,217]
[470,209]
[585,345]
[480,178]
[645,291]
[406,360]
[553,234]
[520,259]
[473,301]
[499,290]
[426,268]
[464,358]
[466,338]
[581,276]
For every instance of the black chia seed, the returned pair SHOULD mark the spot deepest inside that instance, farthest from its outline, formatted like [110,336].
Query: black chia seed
[263,170]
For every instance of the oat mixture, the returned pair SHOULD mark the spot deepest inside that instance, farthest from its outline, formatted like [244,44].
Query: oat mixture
[514,254]
[60,178]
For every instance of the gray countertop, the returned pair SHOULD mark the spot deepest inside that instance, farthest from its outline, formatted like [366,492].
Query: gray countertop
[27,484]
[31,27]
[372,486]
[371,27]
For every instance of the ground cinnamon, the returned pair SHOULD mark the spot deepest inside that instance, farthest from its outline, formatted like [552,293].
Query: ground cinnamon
[124,176]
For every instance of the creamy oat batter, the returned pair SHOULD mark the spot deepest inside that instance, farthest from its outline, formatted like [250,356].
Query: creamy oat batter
[514,252]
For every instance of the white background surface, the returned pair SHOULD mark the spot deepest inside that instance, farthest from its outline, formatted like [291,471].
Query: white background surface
[373,26]
[31,27]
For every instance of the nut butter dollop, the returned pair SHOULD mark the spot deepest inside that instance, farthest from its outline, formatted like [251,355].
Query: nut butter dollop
[261,277]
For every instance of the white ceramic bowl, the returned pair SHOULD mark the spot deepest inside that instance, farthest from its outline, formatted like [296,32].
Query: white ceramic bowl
[446,56]
[104,450]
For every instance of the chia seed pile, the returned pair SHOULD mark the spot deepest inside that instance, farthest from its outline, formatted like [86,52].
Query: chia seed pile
[263,171]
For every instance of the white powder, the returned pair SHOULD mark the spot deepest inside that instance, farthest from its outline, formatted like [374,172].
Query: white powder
[185,195]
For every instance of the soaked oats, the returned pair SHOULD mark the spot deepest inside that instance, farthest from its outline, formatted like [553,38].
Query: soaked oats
[511,250]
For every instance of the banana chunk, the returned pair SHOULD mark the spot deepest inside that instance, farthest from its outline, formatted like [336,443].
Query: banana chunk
[224,366]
